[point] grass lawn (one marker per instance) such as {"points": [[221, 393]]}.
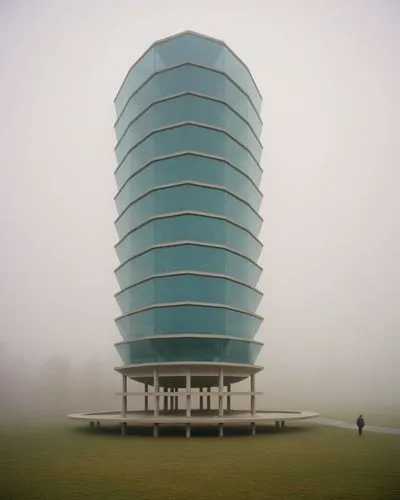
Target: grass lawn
{"points": [[68, 461]]}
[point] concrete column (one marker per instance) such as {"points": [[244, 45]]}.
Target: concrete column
{"points": [[228, 399], [177, 399], [188, 393], [253, 428], [124, 428], [253, 396], [188, 400], [208, 399], [220, 390], [156, 430], [124, 396], [165, 398], [172, 398], [146, 397], [220, 430], [201, 398], [156, 390]]}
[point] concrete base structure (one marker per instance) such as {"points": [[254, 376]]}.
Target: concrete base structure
{"points": [[172, 391], [197, 419]]}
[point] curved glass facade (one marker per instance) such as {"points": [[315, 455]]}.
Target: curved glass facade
{"points": [[193, 48], [188, 77], [189, 227], [188, 197], [185, 257], [188, 287], [188, 137], [188, 152], [188, 318], [188, 349], [175, 169], [188, 108]]}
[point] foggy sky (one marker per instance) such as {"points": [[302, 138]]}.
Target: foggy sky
{"points": [[329, 75]]}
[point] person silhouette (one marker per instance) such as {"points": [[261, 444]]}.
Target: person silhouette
{"points": [[360, 424]]}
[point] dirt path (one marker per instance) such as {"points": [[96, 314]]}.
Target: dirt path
{"points": [[348, 425]]}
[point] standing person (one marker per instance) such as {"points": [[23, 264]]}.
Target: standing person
{"points": [[360, 424]]}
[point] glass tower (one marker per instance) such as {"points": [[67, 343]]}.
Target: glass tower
{"points": [[188, 153], [188, 174]]}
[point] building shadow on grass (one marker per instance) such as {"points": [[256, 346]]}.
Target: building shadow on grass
{"points": [[196, 431]]}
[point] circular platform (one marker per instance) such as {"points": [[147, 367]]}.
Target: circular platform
{"points": [[203, 418]]}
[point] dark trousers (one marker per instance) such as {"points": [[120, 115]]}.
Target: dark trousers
{"points": [[360, 431]]}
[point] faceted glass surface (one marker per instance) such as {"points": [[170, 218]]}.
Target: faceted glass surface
{"points": [[188, 318], [189, 227], [193, 138], [181, 257], [196, 80], [188, 197], [188, 349], [188, 172], [188, 287], [188, 167]]}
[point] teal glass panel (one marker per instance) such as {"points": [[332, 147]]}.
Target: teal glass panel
{"points": [[189, 228], [188, 287], [209, 53], [186, 108], [188, 198], [188, 349], [188, 319], [158, 94], [231, 65], [188, 168], [188, 78], [188, 257], [137, 75], [188, 138], [188, 47]]}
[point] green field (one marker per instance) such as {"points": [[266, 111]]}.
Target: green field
{"points": [[68, 461]]}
